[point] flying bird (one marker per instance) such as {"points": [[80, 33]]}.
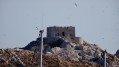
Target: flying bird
{"points": [[36, 28], [75, 4]]}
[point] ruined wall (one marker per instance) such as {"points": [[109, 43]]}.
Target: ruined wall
{"points": [[61, 31]]}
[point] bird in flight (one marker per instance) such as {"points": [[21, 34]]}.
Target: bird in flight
{"points": [[36, 28], [75, 4]]}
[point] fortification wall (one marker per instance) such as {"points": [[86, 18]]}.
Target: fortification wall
{"points": [[61, 31], [67, 32]]}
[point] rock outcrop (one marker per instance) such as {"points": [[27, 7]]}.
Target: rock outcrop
{"points": [[57, 52], [24, 58], [117, 53], [68, 49]]}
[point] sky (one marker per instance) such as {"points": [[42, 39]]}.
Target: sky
{"points": [[96, 21]]}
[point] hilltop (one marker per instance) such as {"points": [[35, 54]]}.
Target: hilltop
{"points": [[70, 50], [65, 54], [61, 48]]}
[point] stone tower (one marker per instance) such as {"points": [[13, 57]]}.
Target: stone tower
{"points": [[61, 31]]}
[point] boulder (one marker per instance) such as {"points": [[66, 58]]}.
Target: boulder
{"points": [[79, 47], [55, 50], [117, 53]]}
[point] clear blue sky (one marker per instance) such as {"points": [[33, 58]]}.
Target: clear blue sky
{"points": [[97, 21]]}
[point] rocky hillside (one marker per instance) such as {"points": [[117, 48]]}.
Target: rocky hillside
{"points": [[69, 49], [24, 58], [57, 52]]}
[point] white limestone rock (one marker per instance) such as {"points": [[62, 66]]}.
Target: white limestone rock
{"points": [[56, 50]]}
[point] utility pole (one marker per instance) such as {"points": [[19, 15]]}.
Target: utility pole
{"points": [[41, 48], [105, 58]]}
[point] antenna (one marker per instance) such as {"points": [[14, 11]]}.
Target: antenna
{"points": [[105, 58], [41, 45], [41, 48], [42, 22]]}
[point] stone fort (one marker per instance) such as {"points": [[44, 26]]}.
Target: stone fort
{"points": [[69, 31], [61, 31]]}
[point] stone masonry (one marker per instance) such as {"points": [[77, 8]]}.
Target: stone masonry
{"points": [[61, 31], [69, 31]]}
